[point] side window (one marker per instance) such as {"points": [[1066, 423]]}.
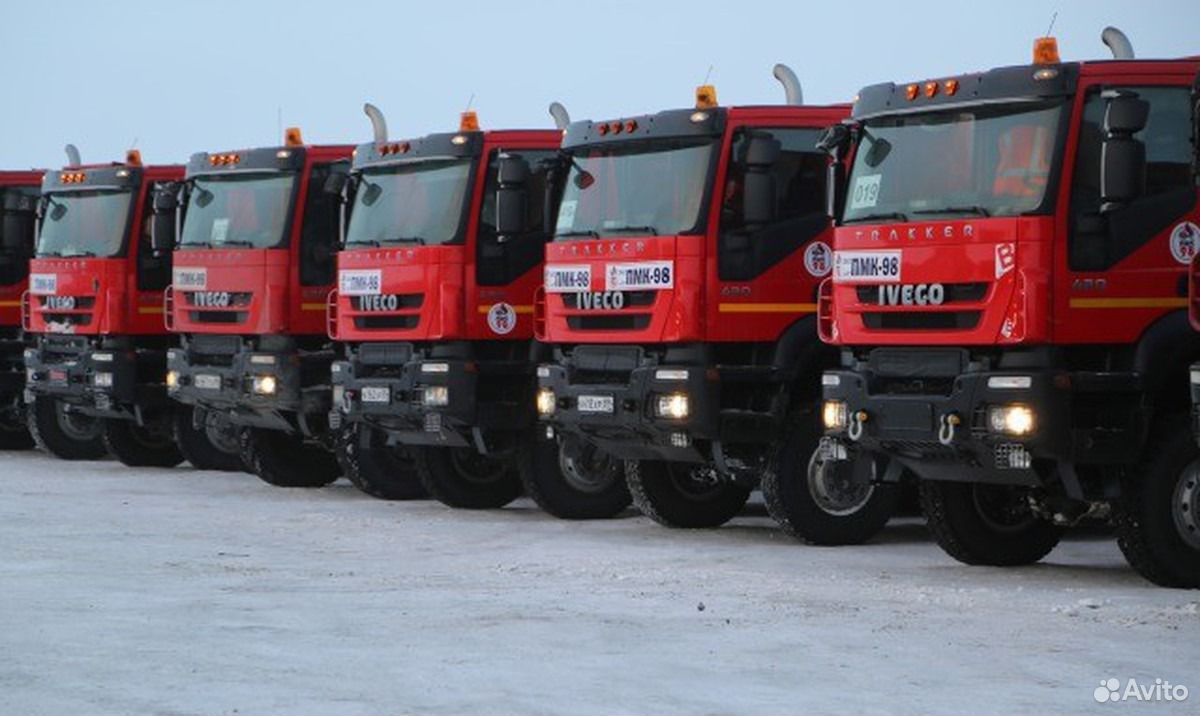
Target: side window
{"points": [[1098, 242], [500, 264], [319, 232], [17, 206], [153, 272], [798, 177]]}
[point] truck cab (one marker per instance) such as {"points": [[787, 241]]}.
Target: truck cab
{"points": [[254, 261], [18, 210], [434, 311], [1008, 292], [96, 368], [680, 302]]}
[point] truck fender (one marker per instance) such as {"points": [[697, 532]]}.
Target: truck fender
{"points": [[1163, 354], [800, 355]]}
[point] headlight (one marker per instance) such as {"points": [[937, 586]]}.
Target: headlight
{"points": [[102, 380], [1011, 419], [264, 384], [172, 379], [546, 401], [262, 360], [835, 415], [436, 395], [673, 405], [102, 357]]}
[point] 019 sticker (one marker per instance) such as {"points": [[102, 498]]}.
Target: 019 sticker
{"points": [[865, 193]]}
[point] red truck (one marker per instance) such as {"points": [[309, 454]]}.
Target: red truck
{"points": [[18, 212], [680, 300], [1009, 291], [254, 260], [97, 364], [434, 310]]}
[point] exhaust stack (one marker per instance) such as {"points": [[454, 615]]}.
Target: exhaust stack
{"points": [[73, 159], [794, 95], [1118, 42], [559, 112], [378, 123]]}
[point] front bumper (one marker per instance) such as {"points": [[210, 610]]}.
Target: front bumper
{"points": [[619, 389], [99, 377]]}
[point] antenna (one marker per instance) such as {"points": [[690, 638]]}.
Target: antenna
{"points": [[1050, 29], [278, 120], [707, 75], [133, 144], [470, 102]]}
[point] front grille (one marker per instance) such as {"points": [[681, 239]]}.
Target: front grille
{"points": [[955, 293], [611, 322], [382, 323], [218, 316], [69, 319], [885, 385], [633, 299], [917, 320]]}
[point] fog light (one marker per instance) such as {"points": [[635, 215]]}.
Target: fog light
{"points": [[543, 371], [1011, 419], [436, 395], [549, 432], [102, 357], [264, 384], [262, 360], [835, 415], [102, 380], [673, 405], [1011, 382], [435, 367], [547, 401], [831, 380], [172, 379]]}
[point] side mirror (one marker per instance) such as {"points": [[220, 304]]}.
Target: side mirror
{"points": [[1122, 157], [512, 195], [58, 212], [163, 225], [836, 142], [371, 194], [758, 199], [20, 211]]}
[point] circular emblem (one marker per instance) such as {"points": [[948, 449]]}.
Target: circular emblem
{"points": [[502, 318], [818, 258], [1185, 241]]}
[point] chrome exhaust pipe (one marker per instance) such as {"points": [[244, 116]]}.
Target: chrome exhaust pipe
{"points": [[791, 84]]}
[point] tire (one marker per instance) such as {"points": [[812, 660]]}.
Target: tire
{"points": [[68, 436], [822, 502], [142, 446], [382, 471], [284, 460], [213, 446], [672, 495], [1158, 524], [986, 524], [573, 480], [461, 477]]}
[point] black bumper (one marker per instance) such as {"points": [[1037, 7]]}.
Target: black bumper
{"points": [[101, 377], [420, 398], [633, 381]]}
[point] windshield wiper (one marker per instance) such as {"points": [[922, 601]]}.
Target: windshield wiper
{"points": [[401, 240], [973, 209], [579, 232], [79, 254], [237, 242], [881, 216], [632, 229]]}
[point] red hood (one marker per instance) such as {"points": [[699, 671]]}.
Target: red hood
{"points": [[242, 291], [82, 296], [413, 293]]}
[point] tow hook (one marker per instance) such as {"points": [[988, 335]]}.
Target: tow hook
{"points": [[949, 422], [855, 429]]}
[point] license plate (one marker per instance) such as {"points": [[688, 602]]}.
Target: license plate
{"points": [[58, 376], [866, 266], [595, 404], [376, 394], [206, 381]]}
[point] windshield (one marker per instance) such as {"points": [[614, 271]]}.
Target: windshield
{"points": [[991, 160], [420, 203], [641, 188], [238, 211], [84, 223]]}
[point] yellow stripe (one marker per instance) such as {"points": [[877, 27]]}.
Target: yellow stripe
{"points": [[766, 307], [312, 307], [150, 309], [519, 309], [10, 304], [1128, 303]]}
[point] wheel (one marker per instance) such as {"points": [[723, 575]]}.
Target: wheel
{"points": [[378, 469], [986, 524], [573, 480], [63, 434], [461, 477], [151, 445], [1158, 514], [212, 446], [284, 460], [683, 495]]}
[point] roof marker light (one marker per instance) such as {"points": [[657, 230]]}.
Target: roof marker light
{"points": [[931, 88], [602, 128], [950, 87], [911, 92], [631, 126]]}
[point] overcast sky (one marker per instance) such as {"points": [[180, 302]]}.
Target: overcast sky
{"points": [[181, 76]]}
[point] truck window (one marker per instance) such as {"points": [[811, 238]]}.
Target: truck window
{"points": [[153, 272], [501, 264], [319, 230], [14, 264], [1098, 242], [799, 178]]}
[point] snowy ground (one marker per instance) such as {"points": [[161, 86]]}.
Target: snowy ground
{"points": [[177, 591]]}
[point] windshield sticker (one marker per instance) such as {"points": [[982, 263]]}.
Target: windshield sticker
{"points": [[190, 278], [502, 318], [1006, 258], [866, 192], [220, 231], [866, 266], [818, 258], [43, 284], [1185, 240], [645, 274], [568, 279], [360, 283], [566, 214]]}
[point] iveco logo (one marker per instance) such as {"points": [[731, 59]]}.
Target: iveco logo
{"points": [[61, 303], [913, 294], [211, 299], [378, 302], [602, 300]]}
